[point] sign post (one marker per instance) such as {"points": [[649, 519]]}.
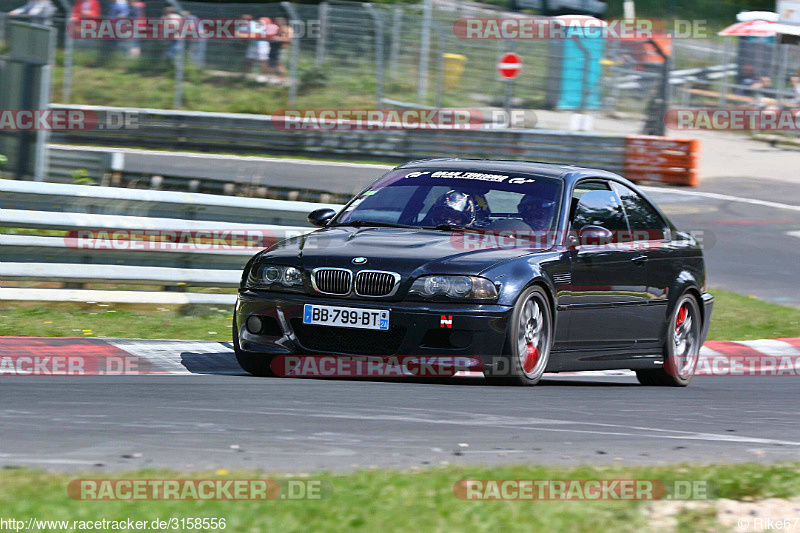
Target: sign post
{"points": [[509, 66]]}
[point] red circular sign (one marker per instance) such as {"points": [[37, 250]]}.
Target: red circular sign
{"points": [[509, 65]]}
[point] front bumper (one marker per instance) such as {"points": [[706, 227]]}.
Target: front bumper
{"points": [[416, 328]]}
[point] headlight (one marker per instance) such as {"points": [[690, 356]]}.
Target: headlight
{"points": [[275, 277], [470, 287]]}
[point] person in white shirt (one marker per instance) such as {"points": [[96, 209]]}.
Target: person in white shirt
{"points": [[37, 12]]}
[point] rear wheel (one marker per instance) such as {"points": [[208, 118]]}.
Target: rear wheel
{"points": [[257, 365], [682, 348], [530, 336]]}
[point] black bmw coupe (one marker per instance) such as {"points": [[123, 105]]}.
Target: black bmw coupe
{"points": [[528, 267]]}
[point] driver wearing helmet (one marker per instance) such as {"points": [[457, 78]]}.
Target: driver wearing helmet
{"points": [[454, 208], [536, 211]]}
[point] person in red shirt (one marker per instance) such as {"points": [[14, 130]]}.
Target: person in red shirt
{"points": [[85, 9], [140, 22]]}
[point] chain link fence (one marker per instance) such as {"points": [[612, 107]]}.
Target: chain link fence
{"points": [[350, 55]]}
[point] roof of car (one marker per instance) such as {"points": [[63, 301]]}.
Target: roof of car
{"points": [[551, 170]]}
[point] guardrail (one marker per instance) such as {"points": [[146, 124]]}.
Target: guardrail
{"points": [[134, 237], [225, 133], [250, 176], [238, 133]]}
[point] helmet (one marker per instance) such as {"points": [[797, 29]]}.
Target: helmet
{"points": [[453, 207], [536, 211]]}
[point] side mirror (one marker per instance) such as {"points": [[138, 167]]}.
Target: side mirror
{"points": [[321, 217], [595, 235]]}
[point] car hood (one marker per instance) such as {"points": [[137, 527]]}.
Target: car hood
{"points": [[406, 251]]}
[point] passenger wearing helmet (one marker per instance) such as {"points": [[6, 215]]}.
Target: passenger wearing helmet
{"points": [[454, 208], [536, 211]]}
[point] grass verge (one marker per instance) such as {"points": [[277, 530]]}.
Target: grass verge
{"points": [[109, 320], [384, 500], [738, 317]]}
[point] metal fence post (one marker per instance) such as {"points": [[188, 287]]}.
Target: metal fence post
{"points": [[509, 96], [66, 81], [40, 165], [440, 49], [323, 32], [294, 56], [424, 51], [723, 90], [783, 57], [376, 19], [177, 100], [394, 47]]}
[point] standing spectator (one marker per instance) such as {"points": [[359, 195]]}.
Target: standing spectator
{"points": [[266, 29], [258, 49], [243, 32], [85, 9], [37, 12], [283, 40], [747, 76], [197, 47], [119, 9], [172, 18], [140, 23], [795, 81]]}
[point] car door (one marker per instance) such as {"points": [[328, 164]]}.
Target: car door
{"points": [[650, 237], [608, 281]]}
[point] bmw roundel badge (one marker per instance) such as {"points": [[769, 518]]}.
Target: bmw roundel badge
{"points": [[359, 260]]}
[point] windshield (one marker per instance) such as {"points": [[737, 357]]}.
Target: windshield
{"points": [[457, 199]]}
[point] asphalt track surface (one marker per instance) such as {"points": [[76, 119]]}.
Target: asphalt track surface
{"points": [[215, 421], [201, 421], [296, 425], [750, 231]]}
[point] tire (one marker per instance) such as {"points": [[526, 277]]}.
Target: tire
{"points": [[257, 365], [682, 347], [529, 338]]}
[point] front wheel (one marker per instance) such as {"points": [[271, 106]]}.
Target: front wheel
{"points": [[529, 338], [682, 348]]}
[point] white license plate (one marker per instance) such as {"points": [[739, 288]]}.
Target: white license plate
{"points": [[346, 317]]}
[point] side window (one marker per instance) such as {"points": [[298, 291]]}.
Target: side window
{"points": [[594, 205], [646, 224]]}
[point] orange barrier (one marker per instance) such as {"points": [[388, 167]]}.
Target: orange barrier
{"points": [[662, 159]]}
